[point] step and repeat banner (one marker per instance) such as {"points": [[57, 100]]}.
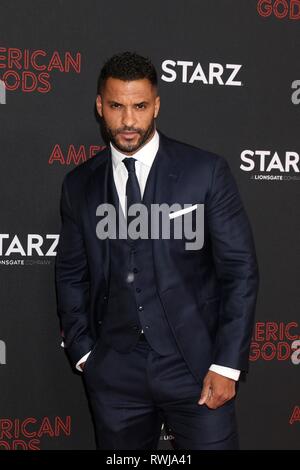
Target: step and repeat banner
{"points": [[229, 81]]}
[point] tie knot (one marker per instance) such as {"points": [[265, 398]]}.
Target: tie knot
{"points": [[129, 163]]}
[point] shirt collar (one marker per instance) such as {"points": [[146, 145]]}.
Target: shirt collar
{"points": [[145, 155]]}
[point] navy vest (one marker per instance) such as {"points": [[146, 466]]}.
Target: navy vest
{"points": [[133, 301]]}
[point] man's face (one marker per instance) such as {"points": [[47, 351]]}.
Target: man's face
{"points": [[128, 109]]}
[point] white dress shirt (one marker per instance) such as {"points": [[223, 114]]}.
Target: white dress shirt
{"points": [[144, 159]]}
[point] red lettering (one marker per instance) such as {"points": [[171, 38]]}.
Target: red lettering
{"points": [[287, 331], [295, 10], [76, 157], [62, 426], [5, 445], [264, 7], [24, 431], [283, 351], [5, 428], [33, 444], [280, 8], [44, 79], [73, 156], [55, 63], [17, 445], [75, 64], [271, 330], [33, 61], [259, 331], [254, 352], [16, 80], [95, 149], [14, 58], [20, 445], [56, 155], [45, 428], [29, 82], [264, 351], [295, 415]]}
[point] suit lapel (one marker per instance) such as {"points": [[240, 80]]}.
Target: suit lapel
{"points": [[167, 175], [167, 178], [97, 193]]}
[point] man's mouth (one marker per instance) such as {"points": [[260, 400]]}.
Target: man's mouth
{"points": [[128, 135]]}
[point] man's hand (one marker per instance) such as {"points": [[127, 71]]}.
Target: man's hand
{"points": [[217, 390]]}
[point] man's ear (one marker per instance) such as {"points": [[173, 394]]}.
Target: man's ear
{"points": [[99, 105], [157, 106]]}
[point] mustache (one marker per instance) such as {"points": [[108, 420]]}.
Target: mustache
{"points": [[128, 129]]}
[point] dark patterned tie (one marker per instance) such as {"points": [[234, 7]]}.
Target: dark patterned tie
{"points": [[133, 191]]}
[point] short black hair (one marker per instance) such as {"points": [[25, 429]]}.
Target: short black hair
{"points": [[127, 66]]}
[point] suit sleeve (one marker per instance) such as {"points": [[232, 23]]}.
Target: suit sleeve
{"points": [[72, 283], [237, 270]]}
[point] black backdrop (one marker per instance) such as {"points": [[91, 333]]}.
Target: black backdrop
{"points": [[50, 57]]}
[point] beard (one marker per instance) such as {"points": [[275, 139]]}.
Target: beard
{"points": [[129, 147]]}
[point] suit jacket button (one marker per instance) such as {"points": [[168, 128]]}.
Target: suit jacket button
{"points": [[141, 308]]}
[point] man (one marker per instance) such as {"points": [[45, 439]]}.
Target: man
{"points": [[160, 332]]}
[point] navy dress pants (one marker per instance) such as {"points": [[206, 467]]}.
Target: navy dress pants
{"points": [[132, 394]]}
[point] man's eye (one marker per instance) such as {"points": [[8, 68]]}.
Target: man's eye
{"points": [[141, 106], [115, 105]]}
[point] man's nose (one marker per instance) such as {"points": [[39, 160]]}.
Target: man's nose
{"points": [[128, 118]]}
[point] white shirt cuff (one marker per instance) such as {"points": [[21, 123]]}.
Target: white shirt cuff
{"points": [[83, 359], [226, 371]]}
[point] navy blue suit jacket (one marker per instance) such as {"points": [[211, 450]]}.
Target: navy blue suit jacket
{"points": [[208, 295]]}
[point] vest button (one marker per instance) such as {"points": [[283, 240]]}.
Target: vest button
{"points": [[99, 322], [141, 308], [105, 297], [138, 289], [147, 327], [135, 270]]}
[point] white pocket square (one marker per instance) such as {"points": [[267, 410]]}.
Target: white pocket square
{"points": [[172, 215]]}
